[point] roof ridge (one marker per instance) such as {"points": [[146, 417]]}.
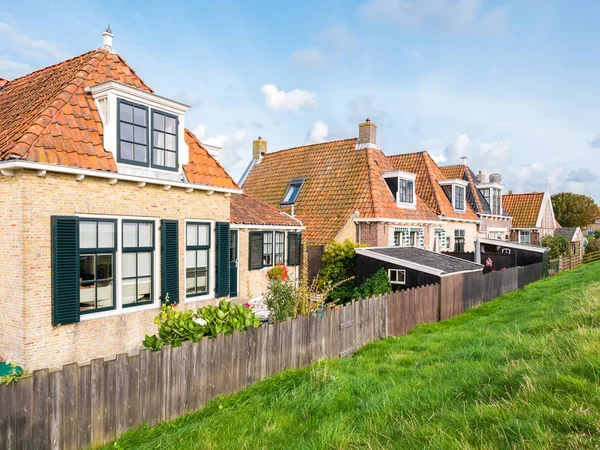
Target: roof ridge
{"points": [[308, 145], [525, 193], [65, 101]]}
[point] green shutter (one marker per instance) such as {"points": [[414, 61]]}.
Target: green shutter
{"points": [[222, 288], [255, 251], [65, 270], [294, 249], [169, 255]]}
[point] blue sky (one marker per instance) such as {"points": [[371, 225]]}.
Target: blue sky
{"points": [[513, 85]]}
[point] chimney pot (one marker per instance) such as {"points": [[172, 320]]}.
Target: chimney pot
{"points": [[481, 177], [464, 160], [259, 148], [367, 133], [107, 40]]}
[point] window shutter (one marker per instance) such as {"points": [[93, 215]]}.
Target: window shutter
{"points": [[65, 270], [222, 259], [256, 250], [294, 249], [169, 255]]}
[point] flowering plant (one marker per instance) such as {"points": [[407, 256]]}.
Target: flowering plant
{"points": [[278, 272]]}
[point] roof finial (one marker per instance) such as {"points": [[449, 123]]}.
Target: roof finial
{"points": [[368, 120], [108, 30], [260, 138], [107, 40]]}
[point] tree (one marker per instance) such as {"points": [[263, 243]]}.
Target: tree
{"points": [[574, 210], [339, 267], [558, 245]]}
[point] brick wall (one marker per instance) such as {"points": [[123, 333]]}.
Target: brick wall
{"points": [[27, 204]]}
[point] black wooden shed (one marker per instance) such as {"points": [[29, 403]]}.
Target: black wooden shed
{"points": [[525, 254], [410, 267]]}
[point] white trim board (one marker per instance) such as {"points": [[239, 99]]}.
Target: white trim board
{"points": [[511, 244]]}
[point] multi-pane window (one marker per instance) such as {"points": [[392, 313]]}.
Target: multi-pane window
{"points": [[459, 241], [196, 259], [164, 140], [406, 191], [398, 238], [97, 247], [397, 276], [138, 261], [279, 247], [497, 202], [459, 198], [133, 133], [525, 237], [486, 195], [267, 249]]}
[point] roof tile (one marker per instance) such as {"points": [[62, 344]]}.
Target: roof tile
{"points": [[524, 208]]}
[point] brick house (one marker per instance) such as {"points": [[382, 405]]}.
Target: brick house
{"points": [[485, 199], [533, 216], [446, 197], [344, 189], [107, 205]]}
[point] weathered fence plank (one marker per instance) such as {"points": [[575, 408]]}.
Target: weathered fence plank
{"points": [[41, 394]]}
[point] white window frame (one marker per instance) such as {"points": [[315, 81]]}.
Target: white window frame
{"points": [[456, 182], [408, 177], [211, 261], [522, 234], [118, 269], [397, 271]]}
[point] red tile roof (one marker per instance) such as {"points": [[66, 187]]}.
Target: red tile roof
{"points": [[463, 172], [428, 187], [46, 116], [250, 211], [524, 208], [339, 180], [203, 168]]}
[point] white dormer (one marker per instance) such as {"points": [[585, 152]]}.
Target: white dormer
{"points": [[492, 192], [402, 186], [145, 132], [457, 191]]}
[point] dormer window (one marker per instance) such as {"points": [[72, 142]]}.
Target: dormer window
{"points": [[402, 187], [492, 192], [456, 190], [133, 133], [291, 194], [164, 140]]}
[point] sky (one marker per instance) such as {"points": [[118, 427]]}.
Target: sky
{"points": [[512, 85]]}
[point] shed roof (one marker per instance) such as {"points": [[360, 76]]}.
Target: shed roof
{"points": [[568, 232], [422, 260]]}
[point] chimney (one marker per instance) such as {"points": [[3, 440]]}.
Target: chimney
{"points": [[481, 177], [464, 160], [510, 192], [107, 40], [259, 148], [367, 133]]}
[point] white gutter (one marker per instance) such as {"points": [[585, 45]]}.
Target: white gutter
{"points": [[495, 216], [456, 219], [411, 221], [6, 167], [240, 226]]}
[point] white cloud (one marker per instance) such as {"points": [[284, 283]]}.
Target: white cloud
{"points": [[287, 101], [458, 148], [448, 15], [27, 45], [493, 155], [200, 131], [12, 69], [317, 133], [311, 58], [439, 158], [595, 143], [339, 38]]}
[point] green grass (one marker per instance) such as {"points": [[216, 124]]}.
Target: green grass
{"points": [[519, 372]]}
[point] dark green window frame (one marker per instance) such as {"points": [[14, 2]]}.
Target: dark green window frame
{"points": [[155, 145], [120, 158], [195, 248], [95, 251], [294, 254], [255, 250], [279, 248], [137, 250], [268, 249]]}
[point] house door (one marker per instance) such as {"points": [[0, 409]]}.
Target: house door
{"points": [[233, 263]]}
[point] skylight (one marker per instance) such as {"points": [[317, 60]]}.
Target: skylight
{"points": [[291, 194]]}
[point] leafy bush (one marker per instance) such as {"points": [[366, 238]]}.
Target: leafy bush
{"points": [[15, 374], [175, 326], [378, 284], [278, 272], [339, 267], [558, 245], [593, 244], [281, 300]]}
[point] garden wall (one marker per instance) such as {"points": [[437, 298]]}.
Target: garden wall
{"points": [[93, 404]]}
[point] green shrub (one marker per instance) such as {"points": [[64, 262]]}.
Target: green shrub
{"points": [[339, 267], [175, 326], [281, 300], [593, 244], [558, 245], [378, 284]]}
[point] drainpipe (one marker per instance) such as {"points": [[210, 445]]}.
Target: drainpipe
{"points": [[477, 251]]}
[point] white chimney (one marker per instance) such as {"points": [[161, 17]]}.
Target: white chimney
{"points": [[464, 160], [107, 40]]}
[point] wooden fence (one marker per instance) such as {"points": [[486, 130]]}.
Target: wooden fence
{"points": [[591, 257], [93, 404], [569, 262]]}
